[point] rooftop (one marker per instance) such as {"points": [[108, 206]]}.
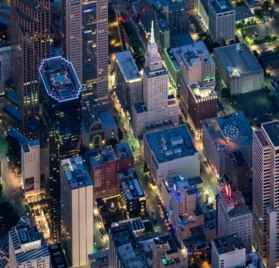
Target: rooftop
{"points": [[221, 6], [28, 243], [202, 93], [238, 159], [26, 146], [60, 79], [171, 240], [140, 107], [107, 119], [128, 66], [229, 132], [123, 150], [243, 12], [181, 40], [127, 247], [106, 155], [228, 244], [34, 5], [76, 172], [58, 259], [132, 189], [238, 60], [272, 132], [190, 54], [171, 143], [99, 259]]}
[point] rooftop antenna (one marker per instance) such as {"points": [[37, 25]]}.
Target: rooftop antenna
{"points": [[152, 41]]}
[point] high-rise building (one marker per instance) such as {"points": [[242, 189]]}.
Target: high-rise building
{"points": [[30, 166], [5, 67], [157, 107], [228, 251], [128, 80], [124, 156], [221, 20], [234, 216], [27, 246], [72, 34], [202, 104], [239, 172], [170, 152], [224, 134], [61, 122], [265, 192], [30, 43], [76, 211]]}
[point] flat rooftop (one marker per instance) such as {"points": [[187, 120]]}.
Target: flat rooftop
{"points": [[221, 6], [123, 150], [76, 172], [272, 132], [99, 259], [171, 143], [202, 93], [243, 12], [181, 40], [60, 79], [107, 119], [171, 240], [190, 54], [128, 66], [228, 244], [106, 155], [57, 256], [238, 60], [229, 132], [26, 146], [238, 159], [127, 247], [132, 189]]}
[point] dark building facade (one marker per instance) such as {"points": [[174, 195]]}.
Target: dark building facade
{"points": [[61, 125], [30, 42]]}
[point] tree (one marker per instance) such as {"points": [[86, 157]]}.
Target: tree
{"points": [[225, 92]]}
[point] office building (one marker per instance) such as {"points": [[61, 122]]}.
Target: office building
{"points": [[224, 134], [30, 166], [202, 104], [239, 172], [61, 121], [156, 107], [128, 80], [203, 12], [265, 198], [196, 66], [5, 67], [102, 168], [27, 246], [133, 196], [124, 156], [169, 251], [124, 249], [99, 259], [221, 20], [234, 216], [239, 68], [228, 251], [30, 43], [5, 31], [76, 211], [72, 34], [57, 256], [170, 152]]}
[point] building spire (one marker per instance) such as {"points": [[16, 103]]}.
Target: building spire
{"points": [[152, 40]]}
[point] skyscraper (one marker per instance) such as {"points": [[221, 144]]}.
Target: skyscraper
{"points": [[265, 192], [61, 122], [76, 210], [30, 43], [157, 107]]}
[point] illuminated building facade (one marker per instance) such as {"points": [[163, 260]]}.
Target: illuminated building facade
{"points": [[239, 69], [157, 107], [265, 192], [234, 217], [202, 104], [61, 121], [30, 43], [128, 80], [76, 211], [27, 246], [196, 66], [225, 134]]}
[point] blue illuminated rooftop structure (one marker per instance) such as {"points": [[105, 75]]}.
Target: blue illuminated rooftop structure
{"points": [[60, 79]]}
